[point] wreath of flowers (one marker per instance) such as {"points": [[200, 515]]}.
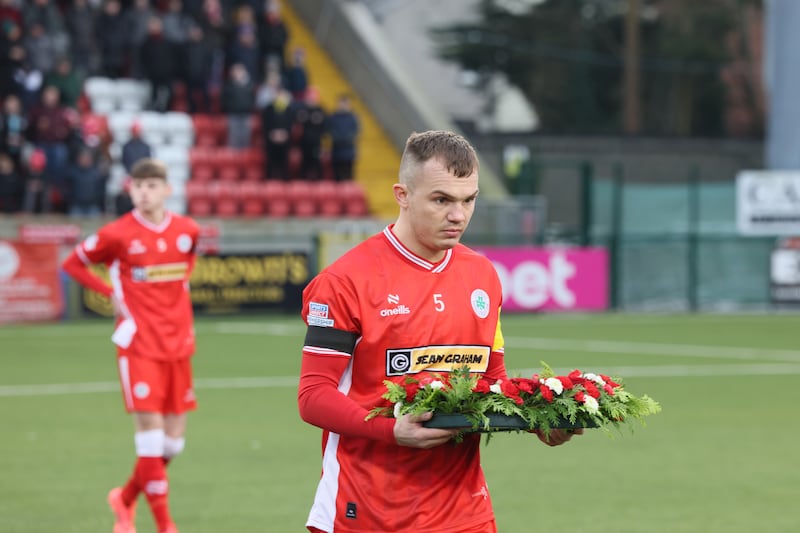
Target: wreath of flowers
{"points": [[544, 402]]}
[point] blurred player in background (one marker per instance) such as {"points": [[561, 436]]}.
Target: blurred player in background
{"points": [[150, 254], [409, 292]]}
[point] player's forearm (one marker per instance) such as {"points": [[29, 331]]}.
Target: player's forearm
{"points": [[323, 405], [78, 271], [331, 410]]}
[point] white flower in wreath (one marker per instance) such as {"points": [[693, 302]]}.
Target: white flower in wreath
{"points": [[594, 377], [554, 385], [590, 404], [436, 384], [496, 387]]}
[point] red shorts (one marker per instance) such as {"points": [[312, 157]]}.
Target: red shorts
{"points": [[150, 385]]}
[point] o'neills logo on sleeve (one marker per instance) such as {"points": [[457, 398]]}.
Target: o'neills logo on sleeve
{"points": [[402, 361]]}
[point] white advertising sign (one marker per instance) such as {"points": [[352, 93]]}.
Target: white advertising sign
{"points": [[768, 202]]}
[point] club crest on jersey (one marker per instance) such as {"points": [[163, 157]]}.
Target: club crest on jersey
{"points": [[318, 315], [184, 243], [446, 358], [480, 303]]}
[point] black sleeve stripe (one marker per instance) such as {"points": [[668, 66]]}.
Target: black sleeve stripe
{"points": [[332, 339]]}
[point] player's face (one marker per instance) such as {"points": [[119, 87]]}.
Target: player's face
{"points": [[439, 206], [149, 194]]}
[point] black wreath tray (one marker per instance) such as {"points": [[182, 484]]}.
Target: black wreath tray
{"points": [[497, 422]]}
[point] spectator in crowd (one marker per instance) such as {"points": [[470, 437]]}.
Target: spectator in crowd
{"points": [[123, 201], [13, 128], [10, 13], [10, 185], [214, 27], [38, 186], [135, 149], [12, 62], [46, 14], [68, 81], [95, 137], [272, 33], [159, 63], [343, 127], [41, 48], [238, 103], [268, 90], [311, 119], [297, 74], [276, 126], [29, 82], [176, 23], [79, 19], [50, 129], [197, 62], [243, 47], [111, 36], [86, 186], [137, 19]]}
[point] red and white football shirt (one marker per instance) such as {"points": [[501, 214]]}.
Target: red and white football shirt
{"points": [[381, 312], [150, 266]]}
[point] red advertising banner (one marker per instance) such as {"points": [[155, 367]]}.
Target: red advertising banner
{"points": [[30, 289], [551, 279], [58, 233]]}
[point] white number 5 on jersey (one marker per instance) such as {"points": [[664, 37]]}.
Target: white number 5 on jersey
{"points": [[438, 304]]}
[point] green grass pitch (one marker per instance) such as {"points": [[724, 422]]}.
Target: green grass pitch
{"points": [[720, 457]]}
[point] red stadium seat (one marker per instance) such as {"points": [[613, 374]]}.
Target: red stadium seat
{"points": [[201, 164], [250, 199], [253, 160], [354, 198], [328, 199], [198, 198], [229, 164], [301, 195], [225, 195], [276, 202], [210, 130]]}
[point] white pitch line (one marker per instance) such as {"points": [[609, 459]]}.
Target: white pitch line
{"points": [[248, 328], [680, 371], [653, 348], [264, 382], [261, 382]]}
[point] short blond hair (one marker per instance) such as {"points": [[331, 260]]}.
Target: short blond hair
{"points": [[149, 168]]}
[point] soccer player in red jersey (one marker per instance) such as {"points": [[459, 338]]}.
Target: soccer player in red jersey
{"points": [[407, 300], [150, 254]]}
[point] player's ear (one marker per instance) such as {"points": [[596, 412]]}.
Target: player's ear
{"points": [[400, 194]]}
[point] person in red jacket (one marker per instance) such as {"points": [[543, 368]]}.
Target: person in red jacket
{"points": [[410, 299], [150, 255]]}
